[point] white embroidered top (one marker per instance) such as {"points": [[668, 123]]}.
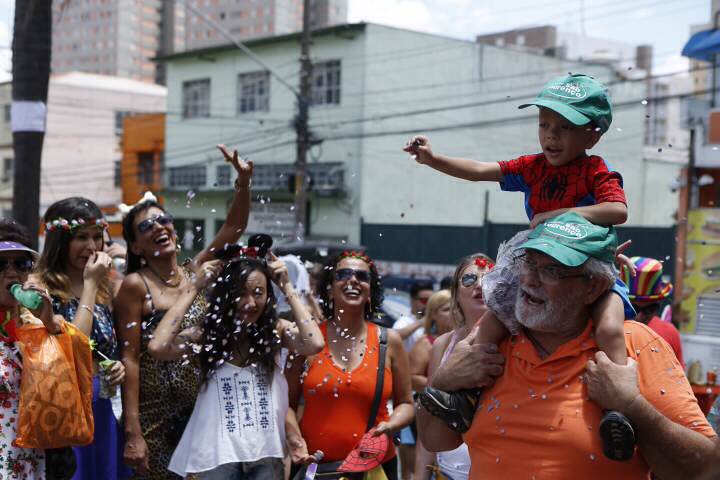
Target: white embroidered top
{"points": [[238, 417]]}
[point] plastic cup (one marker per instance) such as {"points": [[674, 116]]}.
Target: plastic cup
{"points": [[106, 390]]}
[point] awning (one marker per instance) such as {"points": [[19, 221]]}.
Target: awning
{"points": [[703, 45]]}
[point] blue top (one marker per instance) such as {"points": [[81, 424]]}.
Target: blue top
{"points": [[103, 330]]}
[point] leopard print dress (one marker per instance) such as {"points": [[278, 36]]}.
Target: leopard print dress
{"points": [[168, 390]]}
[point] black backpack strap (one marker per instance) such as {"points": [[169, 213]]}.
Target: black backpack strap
{"points": [[379, 383]]}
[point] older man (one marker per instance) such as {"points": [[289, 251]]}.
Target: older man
{"points": [[536, 419]]}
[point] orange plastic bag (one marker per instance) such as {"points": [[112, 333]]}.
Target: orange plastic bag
{"points": [[55, 389]]}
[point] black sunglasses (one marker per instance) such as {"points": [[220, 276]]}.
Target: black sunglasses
{"points": [[345, 274], [147, 224], [22, 265]]}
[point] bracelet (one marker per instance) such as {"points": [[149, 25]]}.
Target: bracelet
{"points": [[88, 309]]}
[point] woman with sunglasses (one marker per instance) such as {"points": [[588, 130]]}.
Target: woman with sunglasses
{"points": [[246, 347], [158, 396], [466, 307], [75, 270], [16, 262], [339, 383]]}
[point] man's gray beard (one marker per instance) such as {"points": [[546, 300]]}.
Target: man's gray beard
{"points": [[551, 317]]}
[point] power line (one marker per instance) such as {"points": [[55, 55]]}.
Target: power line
{"points": [[500, 121], [505, 99], [485, 123]]}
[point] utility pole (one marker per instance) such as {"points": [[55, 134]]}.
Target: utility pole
{"points": [[301, 125], [31, 49]]}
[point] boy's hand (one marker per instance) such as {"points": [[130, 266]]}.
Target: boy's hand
{"points": [[621, 259], [419, 147], [541, 217]]}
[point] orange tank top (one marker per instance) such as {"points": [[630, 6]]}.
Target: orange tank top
{"points": [[337, 402]]}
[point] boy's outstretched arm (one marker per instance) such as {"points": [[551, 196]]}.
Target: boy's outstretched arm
{"points": [[605, 213], [473, 170]]}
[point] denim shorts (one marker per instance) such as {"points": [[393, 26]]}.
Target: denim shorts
{"points": [[263, 469]]}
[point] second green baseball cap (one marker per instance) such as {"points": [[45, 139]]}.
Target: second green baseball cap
{"points": [[579, 98], [572, 240]]}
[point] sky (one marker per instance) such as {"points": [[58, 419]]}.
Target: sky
{"points": [[664, 24]]}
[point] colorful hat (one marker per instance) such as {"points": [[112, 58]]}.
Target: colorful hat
{"points": [[579, 98], [370, 452], [647, 286]]}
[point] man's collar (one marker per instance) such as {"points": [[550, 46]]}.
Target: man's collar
{"points": [[522, 346]]}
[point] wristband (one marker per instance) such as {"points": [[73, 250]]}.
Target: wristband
{"points": [[88, 309]]}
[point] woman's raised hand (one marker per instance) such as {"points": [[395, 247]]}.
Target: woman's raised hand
{"points": [[244, 168], [278, 271], [205, 273]]}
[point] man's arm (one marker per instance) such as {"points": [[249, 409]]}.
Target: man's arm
{"points": [[658, 435], [469, 365], [467, 169], [408, 330], [605, 213], [615, 387]]}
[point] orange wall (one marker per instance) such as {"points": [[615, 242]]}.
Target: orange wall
{"points": [[141, 133]]}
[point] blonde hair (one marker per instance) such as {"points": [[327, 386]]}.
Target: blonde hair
{"points": [[457, 313], [436, 301]]}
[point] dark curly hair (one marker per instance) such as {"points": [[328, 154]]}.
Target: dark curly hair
{"points": [[223, 334], [133, 262], [372, 310]]}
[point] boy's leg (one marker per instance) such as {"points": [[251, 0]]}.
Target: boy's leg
{"points": [[616, 431], [608, 314], [457, 409]]}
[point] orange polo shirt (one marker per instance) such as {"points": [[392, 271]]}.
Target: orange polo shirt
{"points": [[536, 422]]}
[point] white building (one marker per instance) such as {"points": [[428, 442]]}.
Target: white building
{"points": [[81, 152], [374, 86]]}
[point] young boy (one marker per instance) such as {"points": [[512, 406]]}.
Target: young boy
{"points": [[574, 112]]}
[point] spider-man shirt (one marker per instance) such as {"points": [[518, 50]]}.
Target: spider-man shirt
{"points": [[584, 181]]}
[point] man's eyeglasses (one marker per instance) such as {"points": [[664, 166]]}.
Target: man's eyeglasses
{"points": [[345, 274], [21, 265], [550, 274], [470, 279], [147, 224]]}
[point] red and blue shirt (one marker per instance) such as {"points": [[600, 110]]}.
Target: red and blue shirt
{"points": [[582, 182]]}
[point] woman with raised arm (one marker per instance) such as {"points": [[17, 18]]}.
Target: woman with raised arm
{"points": [[158, 396], [242, 354]]}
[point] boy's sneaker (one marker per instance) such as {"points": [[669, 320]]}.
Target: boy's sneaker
{"points": [[618, 436], [456, 409]]}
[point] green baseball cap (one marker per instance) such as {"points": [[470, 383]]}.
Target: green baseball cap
{"points": [[579, 98], [571, 240]]}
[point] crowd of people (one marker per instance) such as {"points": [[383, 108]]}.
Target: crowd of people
{"points": [[524, 366]]}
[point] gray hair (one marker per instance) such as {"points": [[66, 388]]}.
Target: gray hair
{"points": [[603, 271]]}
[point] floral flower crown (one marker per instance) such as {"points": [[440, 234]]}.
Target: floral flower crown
{"points": [[484, 263], [358, 255], [63, 224]]}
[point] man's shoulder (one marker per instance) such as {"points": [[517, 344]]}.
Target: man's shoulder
{"points": [[639, 337]]}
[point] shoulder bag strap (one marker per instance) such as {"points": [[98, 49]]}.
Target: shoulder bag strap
{"points": [[379, 383]]}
